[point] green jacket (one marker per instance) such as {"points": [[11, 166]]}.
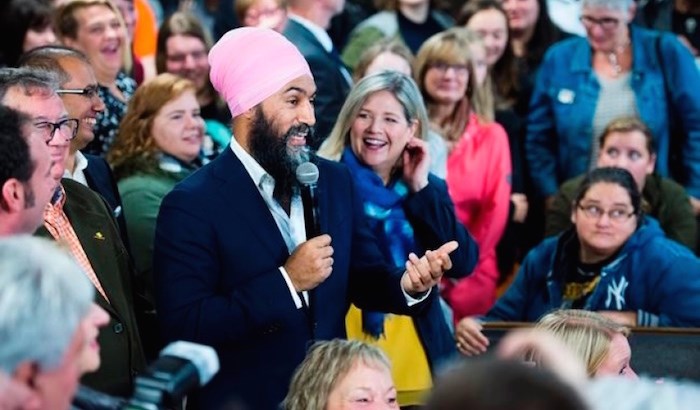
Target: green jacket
{"points": [[663, 199], [120, 344], [141, 195]]}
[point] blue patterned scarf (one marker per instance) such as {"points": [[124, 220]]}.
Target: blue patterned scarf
{"points": [[383, 208]]}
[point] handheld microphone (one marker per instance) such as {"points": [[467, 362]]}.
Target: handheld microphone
{"points": [[307, 175]]}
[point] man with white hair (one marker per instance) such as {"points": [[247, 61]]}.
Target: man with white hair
{"points": [[44, 296]]}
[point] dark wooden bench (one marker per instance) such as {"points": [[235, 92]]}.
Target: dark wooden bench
{"points": [[657, 352]]}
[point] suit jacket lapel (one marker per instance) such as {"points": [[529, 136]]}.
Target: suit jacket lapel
{"points": [[309, 37], [92, 231], [246, 203]]}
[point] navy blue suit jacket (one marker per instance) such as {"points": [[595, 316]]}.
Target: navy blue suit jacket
{"points": [[216, 259], [325, 67], [100, 179]]}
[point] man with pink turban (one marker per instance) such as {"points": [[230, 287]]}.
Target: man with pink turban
{"points": [[233, 267]]}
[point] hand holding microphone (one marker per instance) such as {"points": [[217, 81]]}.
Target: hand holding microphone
{"points": [[307, 175], [312, 261]]}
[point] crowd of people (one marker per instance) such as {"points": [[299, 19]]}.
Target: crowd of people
{"points": [[482, 161]]}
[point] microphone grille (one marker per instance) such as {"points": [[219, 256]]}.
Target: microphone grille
{"points": [[307, 173]]}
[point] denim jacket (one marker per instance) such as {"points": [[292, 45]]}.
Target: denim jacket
{"points": [[653, 276], [560, 123]]}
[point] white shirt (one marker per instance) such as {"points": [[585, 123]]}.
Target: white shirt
{"points": [[79, 174], [291, 226]]}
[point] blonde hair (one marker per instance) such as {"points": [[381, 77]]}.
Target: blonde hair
{"points": [[134, 138], [402, 87], [324, 366], [588, 334], [453, 46]]}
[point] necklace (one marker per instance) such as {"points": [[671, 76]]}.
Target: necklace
{"points": [[614, 61]]}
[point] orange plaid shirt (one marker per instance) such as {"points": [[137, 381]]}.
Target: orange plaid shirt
{"points": [[58, 225]]}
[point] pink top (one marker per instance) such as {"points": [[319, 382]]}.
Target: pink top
{"points": [[478, 179]]}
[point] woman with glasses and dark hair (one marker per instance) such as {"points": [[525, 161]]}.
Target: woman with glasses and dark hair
{"points": [[628, 143], [618, 70], [614, 260]]}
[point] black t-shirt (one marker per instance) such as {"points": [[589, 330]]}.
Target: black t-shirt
{"points": [[581, 280], [415, 34]]}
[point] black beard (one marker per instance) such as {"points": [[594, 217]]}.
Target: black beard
{"points": [[272, 152]]}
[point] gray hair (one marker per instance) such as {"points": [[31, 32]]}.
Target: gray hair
{"points": [[617, 5], [399, 85], [43, 297], [31, 80], [47, 58]]}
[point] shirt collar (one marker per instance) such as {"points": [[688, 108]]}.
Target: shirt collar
{"points": [[319, 32], [80, 164], [254, 169]]}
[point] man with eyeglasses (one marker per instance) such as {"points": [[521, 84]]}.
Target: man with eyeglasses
{"points": [[79, 93], [81, 221]]}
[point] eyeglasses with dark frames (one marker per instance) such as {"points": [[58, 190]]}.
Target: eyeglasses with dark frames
{"points": [[606, 23], [89, 92], [596, 212], [68, 128]]}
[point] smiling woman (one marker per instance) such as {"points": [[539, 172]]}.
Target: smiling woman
{"points": [[342, 375], [158, 145], [617, 70], [451, 71], [96, 28], [380, 137]]}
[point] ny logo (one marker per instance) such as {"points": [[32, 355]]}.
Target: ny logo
{"points": [[617, 291]]}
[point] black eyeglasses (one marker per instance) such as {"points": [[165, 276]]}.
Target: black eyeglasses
{"points": [[606, 23], [615, 215], [89, 92], [68, 128]]}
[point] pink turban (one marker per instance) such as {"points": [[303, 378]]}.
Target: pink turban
{"points": [[249, 64]]}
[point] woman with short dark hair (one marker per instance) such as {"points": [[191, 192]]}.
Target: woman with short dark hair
{"points": [[613, 260]]}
